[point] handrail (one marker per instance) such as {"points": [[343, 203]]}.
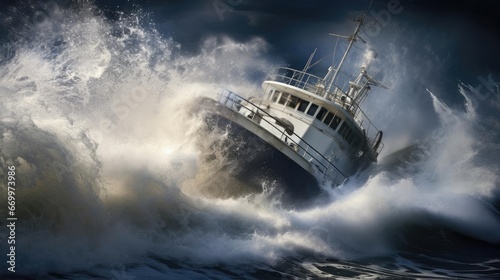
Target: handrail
{"points": [[238, 100], [335, 94], [302, 80]]}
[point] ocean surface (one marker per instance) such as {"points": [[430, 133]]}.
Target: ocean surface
{"points": [[95, 116]]}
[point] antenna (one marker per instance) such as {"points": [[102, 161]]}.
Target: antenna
{"points": [[359, 91], [352, 39], [308, 65], [309, 61]]}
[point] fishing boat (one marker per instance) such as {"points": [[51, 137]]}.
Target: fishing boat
{"points": [[304, 131]]}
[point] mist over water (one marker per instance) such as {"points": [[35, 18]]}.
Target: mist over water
{"points": [[96, 117]]}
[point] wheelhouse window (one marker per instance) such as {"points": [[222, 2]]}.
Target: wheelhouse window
{"points": [[343, 128], [351, 138], [312, 109], [348, 134], [275, 96], [303, 105], [335, 122], [328, 118], [270, 94], [332, 120], [283, 98], [321, 113], [292, 101]]}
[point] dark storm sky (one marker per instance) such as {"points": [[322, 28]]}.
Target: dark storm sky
{"points": [[444, 41], [468, 30], [459, 41]]}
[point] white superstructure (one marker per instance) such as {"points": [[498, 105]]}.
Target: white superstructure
{"points": [[313, 118]]}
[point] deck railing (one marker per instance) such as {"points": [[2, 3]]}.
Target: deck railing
{"points": [[301, 147], [301, 80], [318, 86]]}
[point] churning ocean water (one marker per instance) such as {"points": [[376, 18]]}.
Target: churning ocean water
{"points": [[95, 116]]}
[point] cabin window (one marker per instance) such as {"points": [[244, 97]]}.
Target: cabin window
{"points": [[343, 128], [303, 105], [328, 118], [321, 113], [346, 132], [283, 98], [312, 109], [349, 136], [275, 96], [335, 122], [292, 101], [270, 95]]}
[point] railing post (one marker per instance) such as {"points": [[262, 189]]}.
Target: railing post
{"points": [[307, 80]]}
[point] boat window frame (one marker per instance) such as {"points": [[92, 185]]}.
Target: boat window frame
{"points": [[276, 96], [306, 106], [270, 94], [315, 109], [343, 127], [348, 135], [323, 111], [327, 122], [329, 118], [345, 132], [337, 124], [289, 101], [283, 97]]}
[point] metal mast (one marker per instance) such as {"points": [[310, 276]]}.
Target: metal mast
{"points": [[352, 39]]}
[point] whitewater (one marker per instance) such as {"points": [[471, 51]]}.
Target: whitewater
{"points": [[95, 114]]}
